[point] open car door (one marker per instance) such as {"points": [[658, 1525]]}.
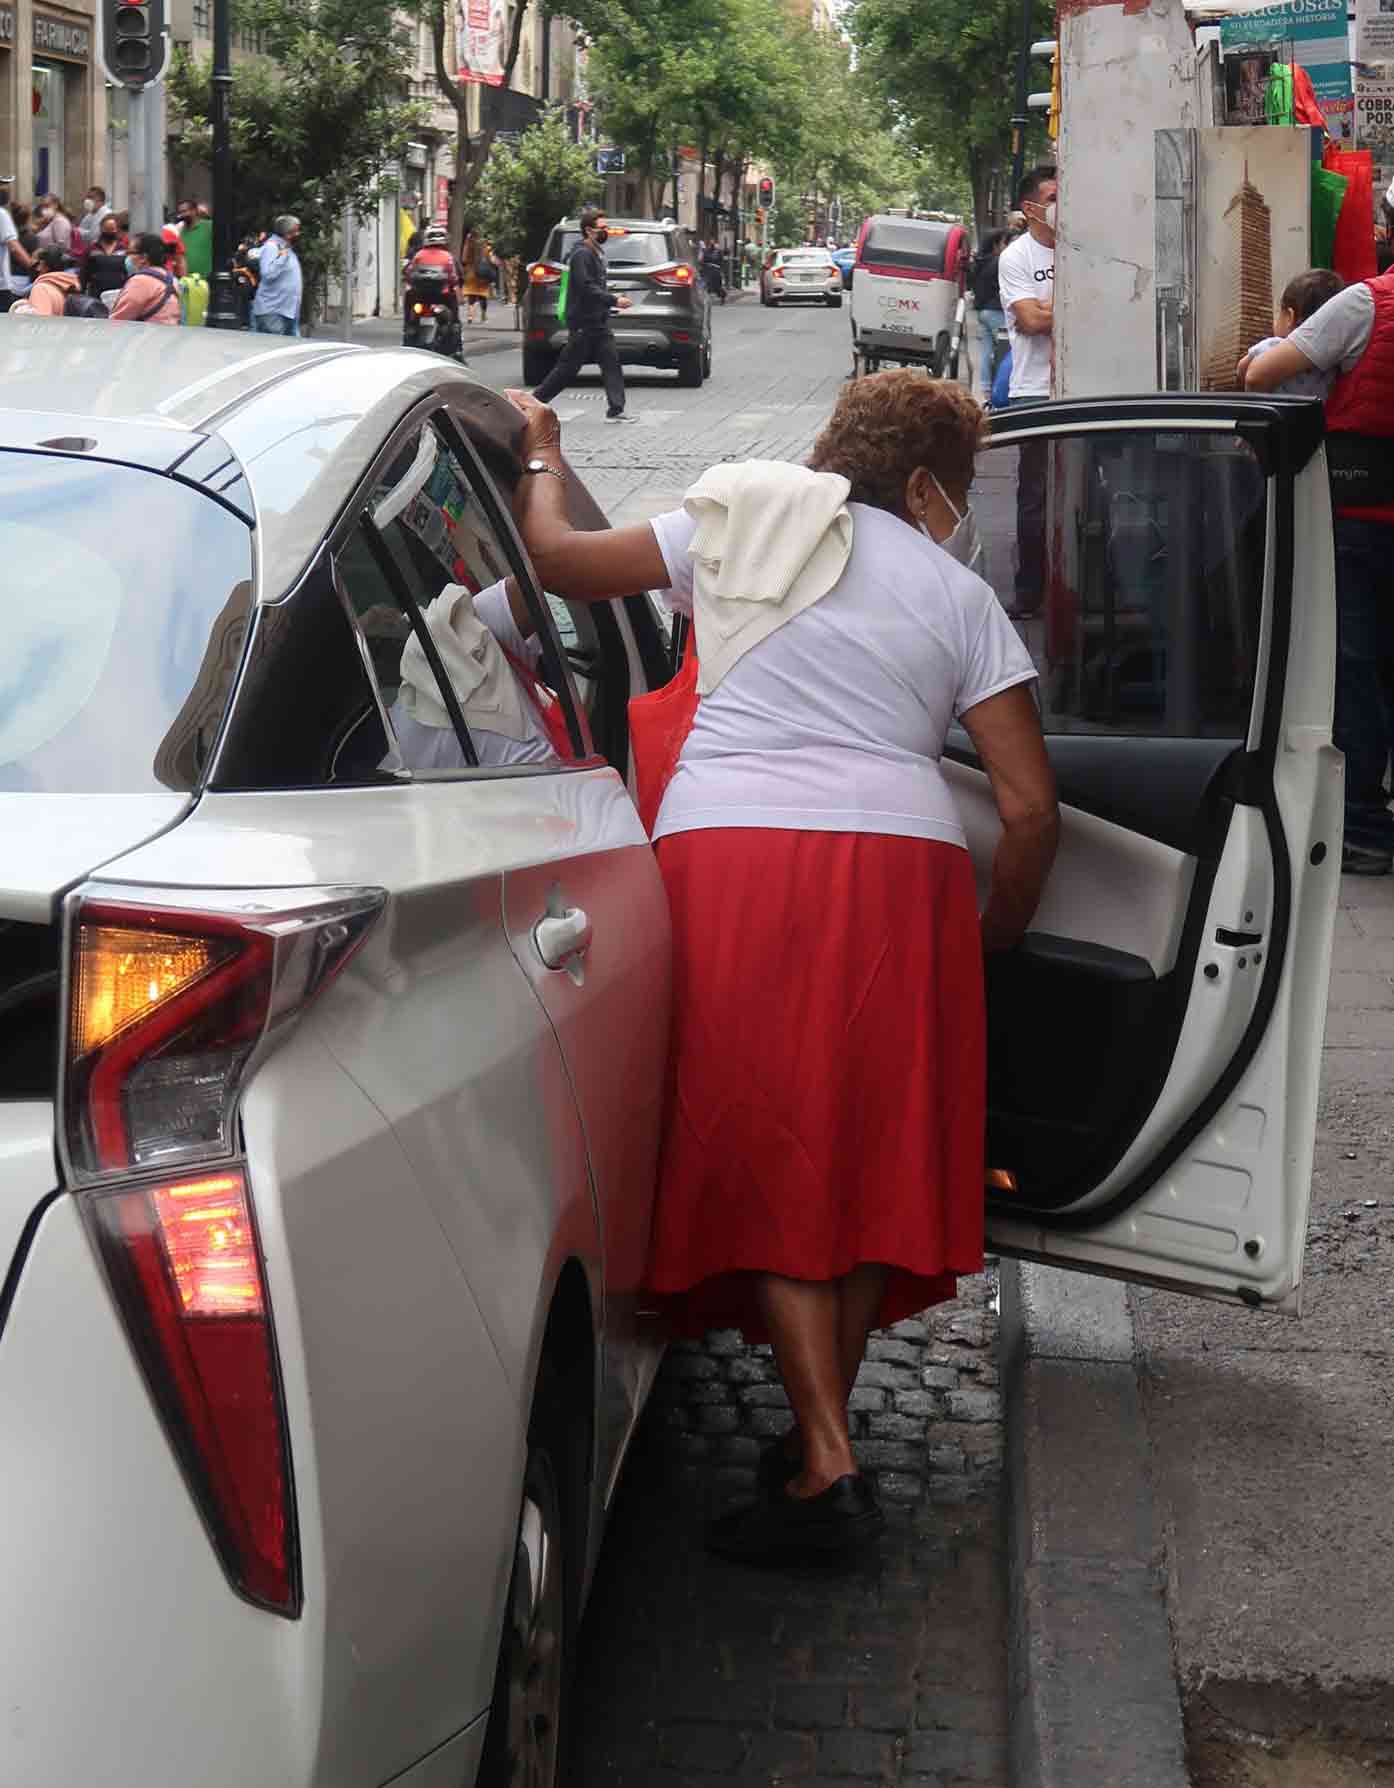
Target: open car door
{"points": [[1154, 1046]]}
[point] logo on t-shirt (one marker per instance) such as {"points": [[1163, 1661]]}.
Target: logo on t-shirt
{"points": [[1042, 273]]}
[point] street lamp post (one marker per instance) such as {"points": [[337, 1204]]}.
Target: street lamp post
{"points": [[223, 312], [1020, 116]]}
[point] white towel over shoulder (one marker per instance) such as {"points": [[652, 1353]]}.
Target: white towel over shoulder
{"points": [[772, 538]]}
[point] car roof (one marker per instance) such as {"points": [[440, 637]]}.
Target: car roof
{"points": [[305, 418], [632, 224]]}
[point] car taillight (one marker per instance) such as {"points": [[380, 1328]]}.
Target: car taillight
{"points": [[673, 276], [420, 309], [543, 273], [167, 1008]]}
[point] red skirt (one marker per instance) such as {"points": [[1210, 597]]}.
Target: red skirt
{"points": [[827, 1098]]}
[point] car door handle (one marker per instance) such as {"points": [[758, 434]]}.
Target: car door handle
{"points": [[561, 940]]}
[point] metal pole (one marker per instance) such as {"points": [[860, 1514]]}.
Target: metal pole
{"points": [[1020, 116], [154, 109], [350, 243], [222, 300], [137, 166]]}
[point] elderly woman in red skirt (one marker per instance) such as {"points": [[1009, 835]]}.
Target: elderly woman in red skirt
{"points": [[822, 1171]]}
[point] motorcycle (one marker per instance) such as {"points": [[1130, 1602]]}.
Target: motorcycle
{"points": [[428, 321], [714, 279]]}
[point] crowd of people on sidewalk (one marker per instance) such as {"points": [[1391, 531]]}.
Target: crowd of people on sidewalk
{"points": [[93, 265]]}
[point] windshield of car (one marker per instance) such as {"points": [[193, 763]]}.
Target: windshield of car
{"points": [[126, 599], [899, 242], [811, 257], [645, 248]]}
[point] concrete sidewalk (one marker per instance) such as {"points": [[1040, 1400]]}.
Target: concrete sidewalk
{"points": [[1226, 1470]]}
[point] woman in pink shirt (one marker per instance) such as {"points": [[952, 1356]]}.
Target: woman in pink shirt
{"points": [[149, 294]]}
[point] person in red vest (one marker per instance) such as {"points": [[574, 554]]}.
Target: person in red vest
{"points": [[434, 253], [1353, 336]]}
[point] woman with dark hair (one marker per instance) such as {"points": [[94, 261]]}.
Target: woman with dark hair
{"points": [[480, 271], [823, 1163]]}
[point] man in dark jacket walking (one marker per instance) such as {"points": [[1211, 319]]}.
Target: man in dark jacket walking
{"points": [[589, 303]]}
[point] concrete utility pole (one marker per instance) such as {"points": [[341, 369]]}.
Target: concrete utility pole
{"points": [[222, 300]]}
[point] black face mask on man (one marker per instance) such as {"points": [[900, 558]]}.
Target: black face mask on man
{"points": [[600, 237]]}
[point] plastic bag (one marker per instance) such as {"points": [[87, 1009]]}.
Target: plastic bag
{"points": [[659, 723], [1353, 253]]}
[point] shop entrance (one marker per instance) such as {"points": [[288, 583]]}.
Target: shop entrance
{"points": [[50, 97]]}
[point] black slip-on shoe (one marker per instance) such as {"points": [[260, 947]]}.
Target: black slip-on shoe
{"points": [[618, 416], [1358, 859], [781, 1527], [777, 1467]]}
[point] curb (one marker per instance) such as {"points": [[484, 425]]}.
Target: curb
{"points": [[1092, 1688]]}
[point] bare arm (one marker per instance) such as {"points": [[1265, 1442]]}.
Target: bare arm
{"points": [[1006, 733], [1032, 316], [587, 565], [1274, 366]]}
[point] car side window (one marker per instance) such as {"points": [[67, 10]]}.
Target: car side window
{"points": [[307, 712], [1134, 564], [425, 571]]}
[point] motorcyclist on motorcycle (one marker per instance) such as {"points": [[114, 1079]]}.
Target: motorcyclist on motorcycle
{"points": [[435, 255]]}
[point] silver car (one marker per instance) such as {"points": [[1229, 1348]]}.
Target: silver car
{"points": [[329, 1089], [806, 274]]}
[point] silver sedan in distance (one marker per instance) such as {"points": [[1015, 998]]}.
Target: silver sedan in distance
{"points": [[335, 989], [801, 274]]}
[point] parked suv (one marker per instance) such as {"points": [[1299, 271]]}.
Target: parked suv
{"points": [[669, 322]]}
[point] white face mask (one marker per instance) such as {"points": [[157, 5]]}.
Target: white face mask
{"points": [[963, 544], [89, 205], [1050, 217]]}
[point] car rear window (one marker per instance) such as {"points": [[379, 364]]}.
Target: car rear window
{"points": [[126, 600], [645, 248], [897, 242], [812, 258]]}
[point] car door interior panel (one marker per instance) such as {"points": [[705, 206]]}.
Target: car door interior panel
{"points": [[1146, 1071]]}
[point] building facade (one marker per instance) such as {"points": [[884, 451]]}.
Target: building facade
{"points": [[1247, 280], [52, 99]]}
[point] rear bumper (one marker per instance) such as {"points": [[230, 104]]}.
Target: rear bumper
{"points": [[806, 294], [637, 344]]}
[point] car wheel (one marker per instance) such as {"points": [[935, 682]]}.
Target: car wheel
{"points": [[834, 303], [941, 357], [536, 366], [690, 369], [707, 358], [529, 1718]]}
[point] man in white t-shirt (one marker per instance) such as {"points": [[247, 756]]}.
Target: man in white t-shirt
{"points": [[13, 260], [1026, 284]]}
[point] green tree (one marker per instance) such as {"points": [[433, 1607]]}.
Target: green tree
{"points": [[472, 149], [526, 187], [313, 120], [946, 67]]}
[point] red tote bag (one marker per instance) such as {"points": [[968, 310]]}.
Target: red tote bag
{"points": [[659, 723]]}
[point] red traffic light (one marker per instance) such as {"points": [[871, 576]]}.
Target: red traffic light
{"points": [[767, 191]]}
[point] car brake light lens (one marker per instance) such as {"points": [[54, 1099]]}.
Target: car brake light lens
{"points": [[168, 1008], [544, 273], [674, 276], [186, 1271], [420, 309]]}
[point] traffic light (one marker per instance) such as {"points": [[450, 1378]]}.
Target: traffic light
{"points": [[767, 192], [133, 41]]}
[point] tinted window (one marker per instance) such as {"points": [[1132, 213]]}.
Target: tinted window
{"points": [[898, 242], [1137, 561], [306, 713], [646, 248], [126, 600]]}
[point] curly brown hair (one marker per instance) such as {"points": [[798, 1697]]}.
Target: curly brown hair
{"points": [[886, 424]]}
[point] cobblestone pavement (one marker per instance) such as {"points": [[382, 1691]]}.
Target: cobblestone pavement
{"points": [[891, 1670], [695, 1671]]}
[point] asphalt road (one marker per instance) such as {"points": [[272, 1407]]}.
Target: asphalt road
{"points": [[693, 1671]]}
